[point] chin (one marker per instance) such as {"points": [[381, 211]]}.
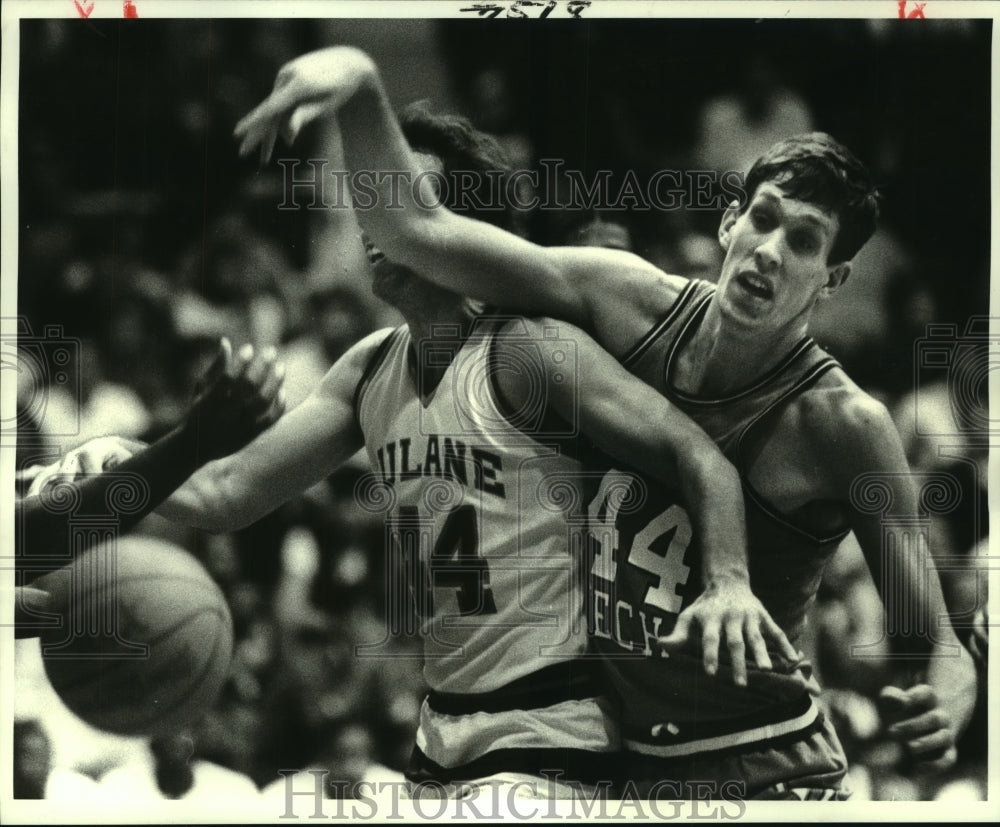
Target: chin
{"points": [[736, 312], [387, 281]]}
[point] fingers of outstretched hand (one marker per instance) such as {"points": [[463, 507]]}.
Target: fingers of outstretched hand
{"points": [[757, 645], [680, 636], [737, 651], [921, 725], [88, 463], [259, 366], [303, 115], [274, 412], [273, 380], [777, 636], [710, 639], [935, 761], [240, 365], [895, 704], [220, 366], [270, 110], [261, 126], [257, 390]]}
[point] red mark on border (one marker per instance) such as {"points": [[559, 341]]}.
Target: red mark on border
{"points": [[916, 14], [83, 11], [131, 12]]}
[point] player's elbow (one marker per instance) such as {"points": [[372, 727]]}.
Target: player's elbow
{"points": [[707, 476], [231, 507], [212, 501]]}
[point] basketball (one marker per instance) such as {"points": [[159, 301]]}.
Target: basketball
{"points": [[145, 638]]}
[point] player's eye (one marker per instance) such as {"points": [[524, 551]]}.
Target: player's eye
{"points": [[803, 243], [761, 219]]}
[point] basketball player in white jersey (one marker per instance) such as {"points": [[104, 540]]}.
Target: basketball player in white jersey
{"points": [[811, 456], [473, 426]]}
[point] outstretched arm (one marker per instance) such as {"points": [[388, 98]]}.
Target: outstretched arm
{"points": [[928, 716], [466, 256], [631, 422], [304, 447], [241, 397]]}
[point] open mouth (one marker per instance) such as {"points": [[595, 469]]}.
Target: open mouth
{"points": [[374, 254], [755, 285]]}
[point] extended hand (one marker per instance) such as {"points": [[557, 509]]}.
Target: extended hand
{"points": [[729, 608], [240, 396], [916, 719], [312, 86], [93, 457]]}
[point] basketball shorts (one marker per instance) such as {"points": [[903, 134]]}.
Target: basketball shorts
{"points": [[808, 765]]}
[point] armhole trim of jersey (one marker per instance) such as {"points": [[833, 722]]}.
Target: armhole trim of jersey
{"points": [[503, 406], [650, 336], [374, 363], [500, 401], [809, 378]]}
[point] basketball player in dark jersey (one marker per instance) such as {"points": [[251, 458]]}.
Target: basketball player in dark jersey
{"points": [[818, 457], [241, 394], [470, 425]]}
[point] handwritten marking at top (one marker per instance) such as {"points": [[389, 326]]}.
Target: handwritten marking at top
{"points": [[916, 14]]}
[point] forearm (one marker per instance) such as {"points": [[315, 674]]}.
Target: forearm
{"points": [[124, 496], [207, 501], [405, 221], [680, 454], [713, 494]]}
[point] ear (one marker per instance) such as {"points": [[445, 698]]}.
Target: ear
{"points": [[726, 225], [835, 279]]}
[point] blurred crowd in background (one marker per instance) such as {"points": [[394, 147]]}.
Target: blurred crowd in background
{"points": [[143, 236]]}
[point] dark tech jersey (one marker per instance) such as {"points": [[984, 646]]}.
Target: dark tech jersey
{"points": [[646, 566], [487, 537]]}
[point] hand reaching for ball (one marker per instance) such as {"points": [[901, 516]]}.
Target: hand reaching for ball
{"points": [[239, 396]]}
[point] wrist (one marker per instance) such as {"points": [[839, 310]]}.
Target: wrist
{"points": [[728, 579], [363, 71], [189, 442]]}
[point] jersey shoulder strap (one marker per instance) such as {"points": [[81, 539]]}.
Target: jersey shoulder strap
{"points": [[682, 305], [374, 363]]}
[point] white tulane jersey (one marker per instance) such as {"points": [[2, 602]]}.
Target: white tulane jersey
{"points": [[485, 527]]}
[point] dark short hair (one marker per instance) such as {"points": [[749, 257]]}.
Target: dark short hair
{"points": [[814, 167], [463, 149]]}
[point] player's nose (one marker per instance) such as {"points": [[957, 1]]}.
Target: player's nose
{"points": [[767, 255]]}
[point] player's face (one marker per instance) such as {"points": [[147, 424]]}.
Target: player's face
{"points": [[776, 261]]}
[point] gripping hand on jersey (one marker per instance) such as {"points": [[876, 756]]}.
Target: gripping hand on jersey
{"points": [[310, 87], [729, 609]]}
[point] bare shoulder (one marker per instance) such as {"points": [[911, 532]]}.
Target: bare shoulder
{"points": [[362, 350], [624, 294], [347, 371], [840, 417]]}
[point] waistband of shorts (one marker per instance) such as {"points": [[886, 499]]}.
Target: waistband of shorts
{"points": [[570, 680], [675, 740], [560, 765]]}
